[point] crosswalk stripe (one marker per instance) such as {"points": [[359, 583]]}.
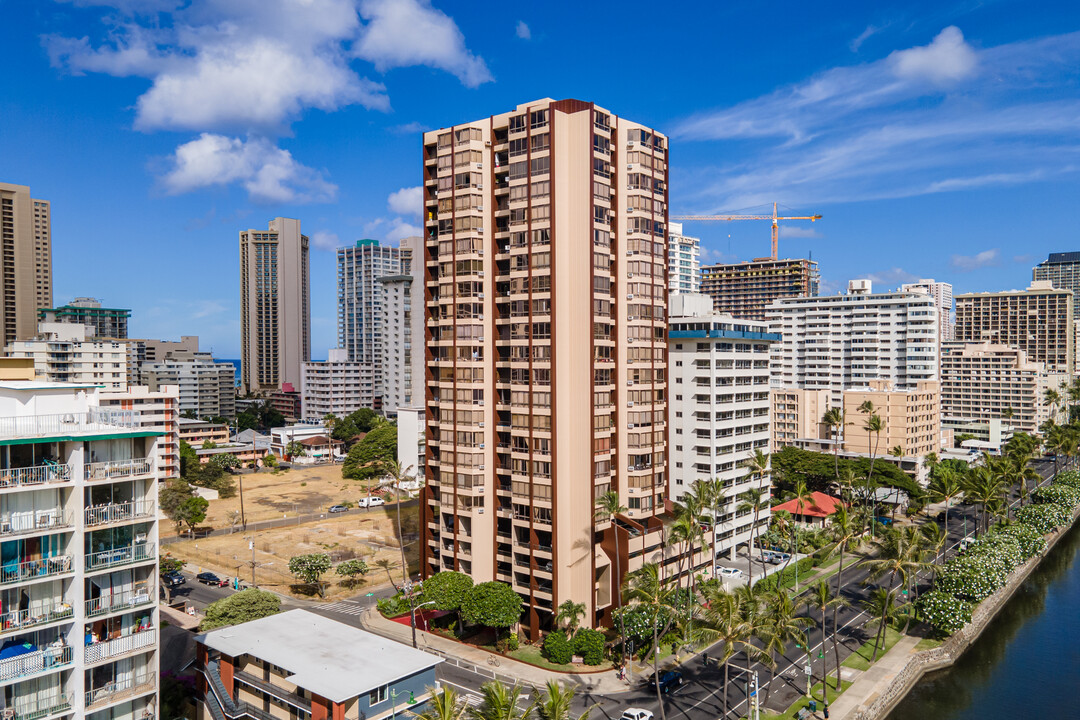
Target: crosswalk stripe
{"points": [[345, 607]]}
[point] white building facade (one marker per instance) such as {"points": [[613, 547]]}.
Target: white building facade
{"points": [[839, 342], [64, 352], [336, 385], [719, 414], [942, 293], [78, 555], [684, 261], [394, 367]]}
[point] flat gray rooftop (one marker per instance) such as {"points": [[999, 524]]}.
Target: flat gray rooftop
{"points": [[326, 657]]}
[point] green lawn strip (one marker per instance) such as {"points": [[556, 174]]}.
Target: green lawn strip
{"points": [[803, 701], [926, 644], [860, 659], [532, 655]]}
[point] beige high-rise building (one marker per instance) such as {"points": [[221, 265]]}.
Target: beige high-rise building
{"points": [[275, 306], [911, 418], [546, 297], [1038, 321], [25, 261]]}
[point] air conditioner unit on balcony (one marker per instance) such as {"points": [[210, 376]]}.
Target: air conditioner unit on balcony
{"points": [[629, 382], [630, 426], [480, 186], [480, 466], [630, 296], [629, 274], [630, 144], [630, 403], [487, 143], [630, 318], [629, 166], [629, 252], [480, 274], [479, 166], [480, 295], [481, 404], [480, 424], [481, 446]]}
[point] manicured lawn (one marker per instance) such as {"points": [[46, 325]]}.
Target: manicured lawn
{"points": [[531, 654], [927, 644], [860, 659], [816, 694]]}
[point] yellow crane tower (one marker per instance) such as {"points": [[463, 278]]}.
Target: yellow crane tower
{"points": [[774, 217]]}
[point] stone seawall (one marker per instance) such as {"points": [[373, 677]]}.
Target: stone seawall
{"points": [[950, 651]]}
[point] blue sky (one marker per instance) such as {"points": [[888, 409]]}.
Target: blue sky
{"points": [[938, 139]]}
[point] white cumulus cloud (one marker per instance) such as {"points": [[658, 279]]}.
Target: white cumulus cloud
{"points": [[967, 263], [523, 31], [407, 201], [268, 173], [325, 240], [947, 58]]}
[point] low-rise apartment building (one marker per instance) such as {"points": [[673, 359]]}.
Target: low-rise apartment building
{"points": [[336, 386], [299, 664], [159, 411], [197, 432], [68, 353], [207, 388]]}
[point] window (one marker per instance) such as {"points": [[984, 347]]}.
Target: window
{"points": [[379, 695]]}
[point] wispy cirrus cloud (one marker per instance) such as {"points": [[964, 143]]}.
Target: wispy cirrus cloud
{"points": [[941, 117], [984, 259], [240, 72]]}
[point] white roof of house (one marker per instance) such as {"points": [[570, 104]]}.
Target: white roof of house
{"points": [[326, 657]]}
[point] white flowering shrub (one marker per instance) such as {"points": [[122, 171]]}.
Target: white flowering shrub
{"points": [[1030, 541], [1000, 548], [1066, 496], [1070, 478], [1045, 517], [973, 577], [944, 612]]}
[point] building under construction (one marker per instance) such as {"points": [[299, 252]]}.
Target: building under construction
{"points": [[745, 289]]}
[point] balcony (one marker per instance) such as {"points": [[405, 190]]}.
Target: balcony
{"points": [[34, 476], [97, 420], [118, 512], [22, 620], [121, 646], [35, 569], [117, 602], [34, 662], [112, 692], [35, 708], [33, 522], [120, 556], [118, 469]]}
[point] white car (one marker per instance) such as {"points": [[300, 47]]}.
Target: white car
{"points": [[636, 714], [370, 501], [727, 572]]}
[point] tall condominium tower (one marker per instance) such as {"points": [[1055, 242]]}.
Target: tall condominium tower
{"points": [[745, 289], [275, 305], [360, 296], [106, 322], [943, 299], [25, 261], [1063, 270], [546, 299], [684, 261], [1038, 321]]}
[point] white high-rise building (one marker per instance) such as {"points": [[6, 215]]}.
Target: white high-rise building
{"points": [[839, 342], [335, 386], [943, 299], [360, 296], [393, 368], [719, 413], [684, 261], [63, 352], [78, 552]]}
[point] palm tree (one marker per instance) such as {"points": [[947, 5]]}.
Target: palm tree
{"points": [[571, 613], [715, 500], [1007, 413], [847, 482], [607, 507], [1052, 398], [821, 598], [874, 425], [754, 500], [386, 565], [644, 588], [834, 418], [499, 702], [784, 625], [897, 451], [803, 500], [395, 475], [445, 704], [724, 621], [882, 607], [896, 554], [984, 486], [945, 486], [555, 702], [934, 538]]}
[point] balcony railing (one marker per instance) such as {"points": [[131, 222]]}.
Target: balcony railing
{"points": [[114, 602], [33, 569], [32, 663], [113, 691], [118, 512], [44, 426], [120, 645], [119, 556], [34, 707], [34, 475], [113, 469], [21, 620], [30, 522]]}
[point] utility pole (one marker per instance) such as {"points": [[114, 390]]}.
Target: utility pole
{"points": [[251, 546], [754, 694]]}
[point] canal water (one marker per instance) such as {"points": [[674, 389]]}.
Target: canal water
{"points": [[1026, 664]]}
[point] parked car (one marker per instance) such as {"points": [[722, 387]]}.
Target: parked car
{"points": [[767, 556], [338, 508], [729, 572], [636, 714], [670, 680], [779, 558], [173, 579], [370, 501], [209, 578]]}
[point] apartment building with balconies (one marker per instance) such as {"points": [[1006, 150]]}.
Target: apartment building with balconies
{"points": [[684, 261], [1038, 320], [546, 283], [719, 412], [746, 289], [78, 553], [335, 386], [64, 353]]}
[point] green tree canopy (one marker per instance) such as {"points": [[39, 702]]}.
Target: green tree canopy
{"points": [[351, 569], [310, 568], [192, 511], [241, 607], [447, 589], [171, 497], [818, 469], [225, 461], [493, 604], [295, 449], [368, 458]]}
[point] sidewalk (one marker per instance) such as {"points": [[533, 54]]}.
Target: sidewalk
{"points": [[476, 660], [872, 682]]}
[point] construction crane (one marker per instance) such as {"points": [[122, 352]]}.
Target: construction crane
{"points": [[774, 217]]}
